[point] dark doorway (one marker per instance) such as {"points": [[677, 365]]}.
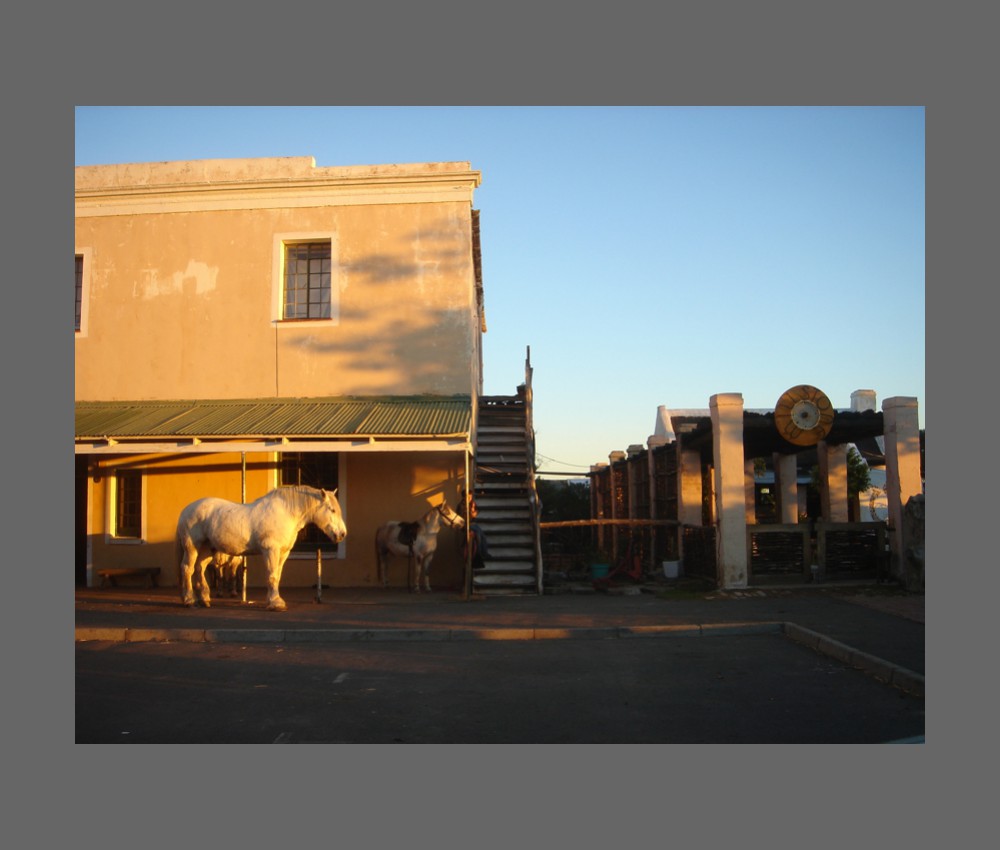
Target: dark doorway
{"points": [[80, 535]]}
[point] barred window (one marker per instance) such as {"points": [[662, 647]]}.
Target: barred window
{"points": [[307, 280], [316, 469]]}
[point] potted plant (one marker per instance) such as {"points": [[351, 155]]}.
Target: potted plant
{"points": [[599, 563]]}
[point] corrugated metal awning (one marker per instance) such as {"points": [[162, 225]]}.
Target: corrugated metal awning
{"points": [[245, 424]]}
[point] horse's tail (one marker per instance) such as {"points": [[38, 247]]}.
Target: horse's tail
{"points": [[181, 537], [179, 547]]}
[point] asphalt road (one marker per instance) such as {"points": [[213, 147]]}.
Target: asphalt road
{"points": [[711, 689]]}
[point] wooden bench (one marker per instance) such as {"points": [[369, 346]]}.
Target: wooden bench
{"points": [[111, 576]]}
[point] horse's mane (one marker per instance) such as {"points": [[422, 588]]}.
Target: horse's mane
{"points": [[298, 494]]}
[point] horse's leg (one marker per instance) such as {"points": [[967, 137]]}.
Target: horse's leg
{"points": [[227, 578], [239, 580], [382, 578], [201, 562], [275, 560], [413, 561], [188, 557], [428, 556]]}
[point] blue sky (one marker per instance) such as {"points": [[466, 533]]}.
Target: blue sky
{"points": [[647, 255]]}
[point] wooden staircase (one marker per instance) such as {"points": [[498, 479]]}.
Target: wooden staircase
{"points": [[506, 497]]}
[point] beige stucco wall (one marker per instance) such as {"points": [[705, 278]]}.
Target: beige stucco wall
{"points": [[374, 487], [182, 274], [184, 304]]}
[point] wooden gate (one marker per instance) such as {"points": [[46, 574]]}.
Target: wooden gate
{"points": [[840, 550], [699, 552], [851, 550], [779, 553]]}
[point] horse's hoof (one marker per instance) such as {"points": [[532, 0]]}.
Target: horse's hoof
{"points": [[277, 605]]}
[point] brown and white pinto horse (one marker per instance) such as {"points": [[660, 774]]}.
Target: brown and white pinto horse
{"points": [[417, 541]]}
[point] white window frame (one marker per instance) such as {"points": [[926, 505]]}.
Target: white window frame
{"points": [[111, 531], [87, 254], [278, 278]]}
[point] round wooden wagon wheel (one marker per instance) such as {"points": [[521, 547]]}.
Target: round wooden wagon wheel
{"points": [[803, 415]]}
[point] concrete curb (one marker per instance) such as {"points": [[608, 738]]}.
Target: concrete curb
{"points": [[885, 671], [140, 635]]}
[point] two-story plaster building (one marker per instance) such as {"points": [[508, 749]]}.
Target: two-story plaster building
{"points": [[242, 324]]}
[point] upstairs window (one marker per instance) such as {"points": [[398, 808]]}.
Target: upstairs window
{"points": [[83, 273], [307, 281], [79, 289]]}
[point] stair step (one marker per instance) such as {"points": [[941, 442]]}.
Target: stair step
{"points": [[500, 552], [502, 502], [506, 464], [503, 580], [502, 499], [500, 538], [513, 420], [506, 568], [502, 454], [496, 515], [496, 529], [503, 468]]}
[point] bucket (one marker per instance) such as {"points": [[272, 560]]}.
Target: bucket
{"points": [[671, 569], [599, 570]]}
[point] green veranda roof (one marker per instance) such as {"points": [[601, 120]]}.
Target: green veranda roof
{"points": [[384, 416]]}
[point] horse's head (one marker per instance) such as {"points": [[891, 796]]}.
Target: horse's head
{"points": [[452, 518], [329, 518]]}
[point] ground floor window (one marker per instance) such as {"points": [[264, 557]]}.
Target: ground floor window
{"points": [[316, 469], [128, 504]]}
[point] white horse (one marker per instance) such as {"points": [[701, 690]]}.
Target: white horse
{"points": [[415, 540], [267, 526]]}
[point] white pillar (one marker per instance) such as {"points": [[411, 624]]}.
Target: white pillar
{"points": [[786, 486], [833, 480], [730, 491], [902, 466], [862, 400]]}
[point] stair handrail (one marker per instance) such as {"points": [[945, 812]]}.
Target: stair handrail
{"points": [[536, 513]]}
